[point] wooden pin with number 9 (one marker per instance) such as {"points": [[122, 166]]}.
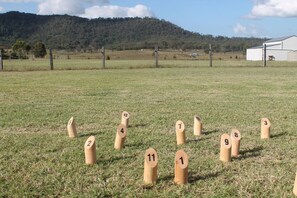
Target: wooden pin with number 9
{"points": [[225, 152], [150, 166]]}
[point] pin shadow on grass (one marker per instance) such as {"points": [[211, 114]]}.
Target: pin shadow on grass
{"points": [[210, 132], [198, 139], [87, 135], [114, 159], [279, 135], [248, 153], [193, 177]]}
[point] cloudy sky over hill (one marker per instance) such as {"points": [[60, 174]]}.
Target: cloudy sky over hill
{"points": [[259, 18]]}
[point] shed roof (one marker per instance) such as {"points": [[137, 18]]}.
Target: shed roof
{"points": [[279, 39]]}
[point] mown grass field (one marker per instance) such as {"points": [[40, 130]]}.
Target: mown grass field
{"points": [[38, 159]]}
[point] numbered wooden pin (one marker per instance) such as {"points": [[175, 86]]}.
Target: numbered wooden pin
{"points": [[71, 128], [295, 186], [235, 142], [180, 132], [90, 150], [125, 118], [120, 137], [181, 167], [197, 126], [265, 128], [225, 153], [150, 166]]}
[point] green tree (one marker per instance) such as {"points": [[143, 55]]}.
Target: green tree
{"points": [[39, 50], [21, 48]]}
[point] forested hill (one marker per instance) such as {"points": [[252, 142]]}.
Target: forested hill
{"points": [[70, 32]]}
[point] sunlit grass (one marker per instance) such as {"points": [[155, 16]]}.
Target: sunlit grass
{"points": [[38, 159]]}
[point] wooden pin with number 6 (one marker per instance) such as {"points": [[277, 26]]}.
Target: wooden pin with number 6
{"points": [[150, 166], [225, 152]]}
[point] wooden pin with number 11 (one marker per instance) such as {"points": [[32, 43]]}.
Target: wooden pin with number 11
{"points": [[150, 166]]}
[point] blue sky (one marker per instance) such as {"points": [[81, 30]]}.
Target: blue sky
{"points": [[257, 18]]}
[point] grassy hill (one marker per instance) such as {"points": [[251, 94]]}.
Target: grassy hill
{"points": [[70, 32]]}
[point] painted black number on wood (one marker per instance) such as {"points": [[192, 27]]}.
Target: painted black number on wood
{"points": [[153, 157], [226, 142], [181, 160]]}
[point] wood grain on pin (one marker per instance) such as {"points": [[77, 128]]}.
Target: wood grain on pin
{"points": [[125, 118], [235, 142], [150, 166], [225, 152], [265, 128], [90, 150], [295, 186], [181, 164], [180, 132], [120, 137], [71, 128], [197, 126]]}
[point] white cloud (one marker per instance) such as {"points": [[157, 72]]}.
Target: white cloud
{"points": [[72, 7], [277, 8], [1, 9], [241, 30], [19, 1], [117, 11], [90, 8]]}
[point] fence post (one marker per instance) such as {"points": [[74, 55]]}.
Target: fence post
{"points": [[210, 55], [1, 61], [264, 55], [156, 56], [103, 57], [51, 59]]}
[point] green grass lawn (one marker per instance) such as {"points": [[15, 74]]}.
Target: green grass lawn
{"points": [[38, 159]]}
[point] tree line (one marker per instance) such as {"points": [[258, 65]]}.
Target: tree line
{"points": [[80, 34]]}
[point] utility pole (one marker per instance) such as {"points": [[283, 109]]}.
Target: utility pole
{"points": [[156, 56]]}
